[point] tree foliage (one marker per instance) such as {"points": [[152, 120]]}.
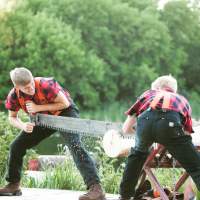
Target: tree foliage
{"points": [[101, 50], [184, 25]]}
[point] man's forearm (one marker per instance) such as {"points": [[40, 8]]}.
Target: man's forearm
{"points": [[16, 122], [51, 107], [128, 124]]}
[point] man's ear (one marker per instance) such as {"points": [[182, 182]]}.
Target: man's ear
{"points": [[16, 86]]}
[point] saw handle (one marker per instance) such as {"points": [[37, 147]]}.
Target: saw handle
{"points": [[33, 118]]}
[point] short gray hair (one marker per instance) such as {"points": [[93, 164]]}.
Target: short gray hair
{"points": [[21, 76], [167, 81]]}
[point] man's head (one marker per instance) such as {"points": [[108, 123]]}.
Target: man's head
{"points": [[165, 82], [23, 80]]}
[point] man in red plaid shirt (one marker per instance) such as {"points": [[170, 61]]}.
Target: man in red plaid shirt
{"points": [[44, 95], [162, 116]]}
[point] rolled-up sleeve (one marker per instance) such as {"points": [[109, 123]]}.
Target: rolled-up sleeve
{"points": [[134, 108], [12, 102], [188, 125]]}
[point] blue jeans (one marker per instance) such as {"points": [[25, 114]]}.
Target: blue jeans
{"points": [[164, 128], [26, 141]]}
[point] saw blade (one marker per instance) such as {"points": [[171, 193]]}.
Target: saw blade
{"points": [[86, 127]]}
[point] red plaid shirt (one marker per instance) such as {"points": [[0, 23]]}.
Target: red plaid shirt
{"points": [[177, 103], [49, 87]]}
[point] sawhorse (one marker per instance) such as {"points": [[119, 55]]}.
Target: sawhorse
{"points": [[159, 158]]}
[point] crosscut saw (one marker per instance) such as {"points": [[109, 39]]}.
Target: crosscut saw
{"points": [[86, 127]]}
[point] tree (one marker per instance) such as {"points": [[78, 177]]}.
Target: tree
{"points": [[183, 24], [102, 50], [120, 35], [49, 47]]}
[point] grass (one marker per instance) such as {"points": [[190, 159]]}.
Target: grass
{"points": [[64, 176]]}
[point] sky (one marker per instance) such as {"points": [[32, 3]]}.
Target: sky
{"points": [[162, 3], [5, 4]]}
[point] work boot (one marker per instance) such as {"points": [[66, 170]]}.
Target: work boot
{"points": [[11, 189], [95, 193]]}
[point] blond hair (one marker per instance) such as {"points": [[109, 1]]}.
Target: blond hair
{"points": [[167, 81], [21, 76]]}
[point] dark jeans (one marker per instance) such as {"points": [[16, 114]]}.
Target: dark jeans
{"points": [[164, 128], [26, 141]]}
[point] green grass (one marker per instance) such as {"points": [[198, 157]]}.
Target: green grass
{"points": [[166, 176], [64, 176]]}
